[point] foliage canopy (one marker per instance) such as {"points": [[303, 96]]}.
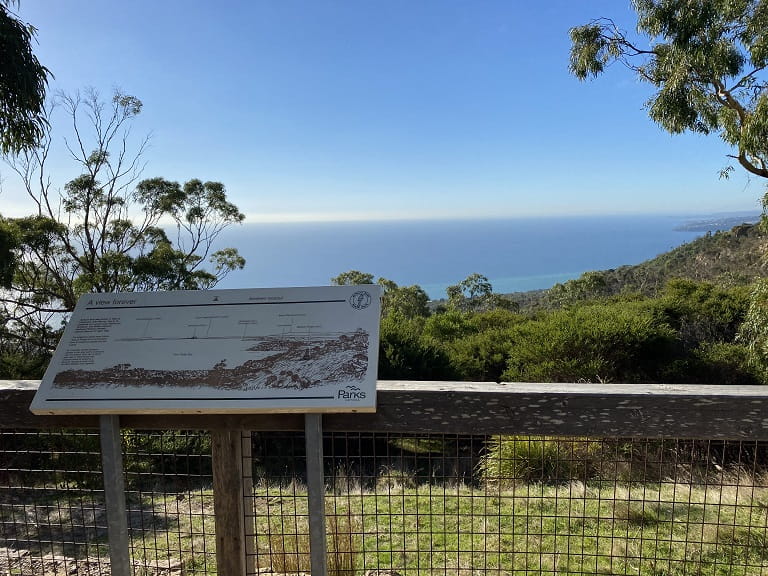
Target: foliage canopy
{"points": [[23, 84], [705, 58], [404, 301], [105, 230]]}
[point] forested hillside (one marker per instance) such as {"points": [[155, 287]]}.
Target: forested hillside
{"points": [[678, 318], [737, 256], [728, 258]]}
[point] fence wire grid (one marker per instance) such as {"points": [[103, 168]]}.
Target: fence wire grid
{"points": [[53, 515], [430, 504]]}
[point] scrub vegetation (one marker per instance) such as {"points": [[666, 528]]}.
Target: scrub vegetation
{"points": [[693, 315]]}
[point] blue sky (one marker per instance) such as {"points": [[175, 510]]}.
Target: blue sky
{"points": [[324, 110]]}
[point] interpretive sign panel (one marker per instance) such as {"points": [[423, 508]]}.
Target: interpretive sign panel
{"points": [[217, 351]]}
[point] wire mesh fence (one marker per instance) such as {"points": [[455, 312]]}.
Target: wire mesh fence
{"points": [[53, 515], [427, 504], [512, 505], [170, 502]]}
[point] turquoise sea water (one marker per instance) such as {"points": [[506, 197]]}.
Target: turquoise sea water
{"points": [[515, 254]]}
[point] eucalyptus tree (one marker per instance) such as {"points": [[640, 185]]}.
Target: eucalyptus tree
{"points": [[407, 302], [475, 294], [705, 59], [106, 230], [23, 84]]}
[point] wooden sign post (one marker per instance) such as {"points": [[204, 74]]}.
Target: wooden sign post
{"points": [[313, 437], [305, 350]]}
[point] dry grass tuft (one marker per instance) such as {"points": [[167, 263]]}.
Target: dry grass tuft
{"points": [[288, 545]]}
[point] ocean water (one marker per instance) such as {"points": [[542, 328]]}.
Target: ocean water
{"points": [[515, 254]]}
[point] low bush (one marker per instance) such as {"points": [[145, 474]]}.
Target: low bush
{"points": [[538, 459], [716, 363], [613, 342], [405, 355]]}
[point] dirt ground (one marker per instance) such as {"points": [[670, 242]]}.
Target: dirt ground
{"points": [[21, 563]]}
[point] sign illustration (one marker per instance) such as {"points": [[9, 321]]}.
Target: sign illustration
{"points": [[217, 351]]}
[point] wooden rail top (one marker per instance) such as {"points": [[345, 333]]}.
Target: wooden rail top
{"points": [[610, 410]]}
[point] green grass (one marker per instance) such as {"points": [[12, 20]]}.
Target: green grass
{"points": [[173, 531], [594, 528], [572, 529]]}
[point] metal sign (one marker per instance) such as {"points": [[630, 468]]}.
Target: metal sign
{"points": [[217, 351]]}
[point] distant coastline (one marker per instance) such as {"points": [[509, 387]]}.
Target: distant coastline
{"points": [[516, 254], [718, 223]]}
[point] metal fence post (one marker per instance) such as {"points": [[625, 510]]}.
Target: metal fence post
{"points": [[114, 495], [248, 504]]}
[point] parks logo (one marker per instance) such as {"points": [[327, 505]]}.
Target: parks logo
{"points": [[350, 394], [360, 300]]}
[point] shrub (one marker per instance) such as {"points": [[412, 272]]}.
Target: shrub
{"points": [[716, 363], [538, 459], [754, 331], [405, 355], [70, 457], [173, 458], [703, 312], [448, 326], [617, 342], [480, 357]]}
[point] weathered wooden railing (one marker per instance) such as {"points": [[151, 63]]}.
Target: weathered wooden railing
{"points": [[609, 410], [583, 410]]}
